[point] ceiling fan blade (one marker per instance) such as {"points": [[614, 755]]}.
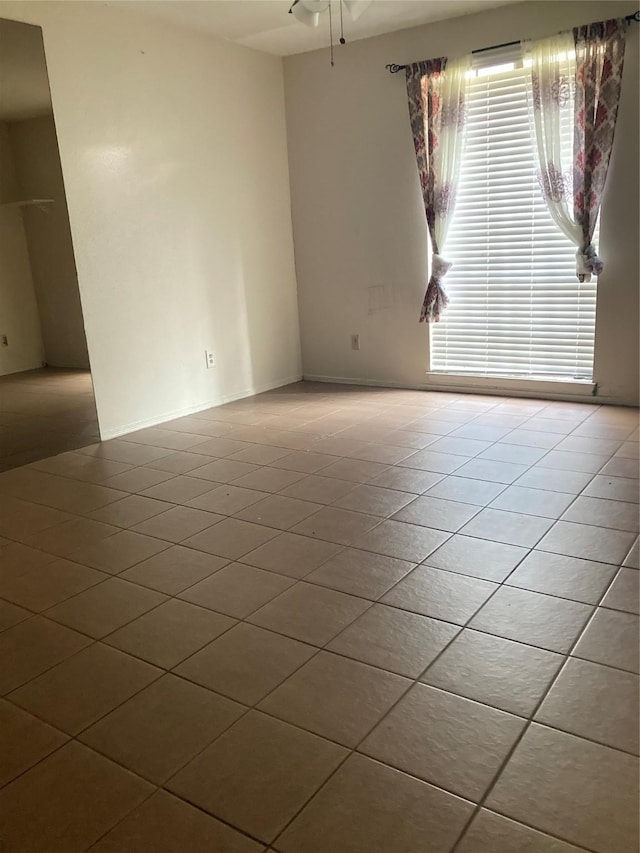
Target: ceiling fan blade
{"points": [[304, 16], [356, 7]]}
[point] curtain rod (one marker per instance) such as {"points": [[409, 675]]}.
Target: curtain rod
{"points": [[394, 68]]}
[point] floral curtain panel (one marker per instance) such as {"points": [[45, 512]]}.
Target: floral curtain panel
{"points": [[576, 77], [437, 91]]}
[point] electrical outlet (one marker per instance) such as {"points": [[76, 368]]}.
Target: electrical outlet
{"points": [[210, 358], [4, 341], [355, 341]]}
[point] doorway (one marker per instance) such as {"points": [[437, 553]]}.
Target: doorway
{"points": [[46, 394]]}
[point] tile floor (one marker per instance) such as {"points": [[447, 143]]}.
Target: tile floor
{"points": [[326, 619], [44, 412]]}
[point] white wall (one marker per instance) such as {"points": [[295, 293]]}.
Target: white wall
{"points": [[358, 216], [173, 150], [37, 163], [18, 310]]}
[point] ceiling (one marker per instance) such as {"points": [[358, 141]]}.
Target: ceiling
{"points": [[24, 85], [265, 24]]}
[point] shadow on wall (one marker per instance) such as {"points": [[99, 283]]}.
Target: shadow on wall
{"points": [[40, 312]]}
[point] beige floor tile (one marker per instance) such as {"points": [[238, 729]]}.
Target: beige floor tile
{"points": [[589, 444], [595, 702], [104, 608], [583, 540], [477, 557], [10, 615], [138, 479], [223, 470], [123, 450], [220, 447], [459, 446], [258, 774], [304, 462], [180, 462], [624, 593], [437, 513], [24, 740], [538, 502], [231, 538], [565, 460], [444, 739], [511, 528], [554, 480], [518, 453], [170, 633], [268, 479], [291, 555], [227, 500], [278, 511], [65, 539], [259, 454], [80, 690], [322, 490], [22, 519], [529, 617], [163, 727], [354, 470], [566, 577], [119, 552], [67, 802], [179, 490], [533, 438], [442, 595], [309, 613], [17, 558], [604, 513], [178, 523], [465, 490], [175, 569], [614, 488], [360, 573], [357, 812], [490, 833], [621, 467], [495, 671], [632, 560], [409, 480], [394, 639], [237, 590], [120, 450], [494, 472], [246, 663], [563, 785], [437, 463], [33, 646], [374, 500], [165, 824], [336, 525], [40, 588], [482, 431], [335, 697], [401, 540], [129, 511], [611, 638]]}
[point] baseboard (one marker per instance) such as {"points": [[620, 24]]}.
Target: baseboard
{"points": [[117, 432], [480, 388]]}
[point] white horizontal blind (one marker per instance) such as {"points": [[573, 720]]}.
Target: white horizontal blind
{"points": [[516, 307]]}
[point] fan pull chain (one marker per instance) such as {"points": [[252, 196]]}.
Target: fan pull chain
{"points": [[342, 38], [331, 33]]}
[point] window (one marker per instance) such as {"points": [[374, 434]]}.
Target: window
{"points": [[516, 307]]}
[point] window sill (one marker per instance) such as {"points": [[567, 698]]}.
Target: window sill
{"points": [[547, 387]]}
